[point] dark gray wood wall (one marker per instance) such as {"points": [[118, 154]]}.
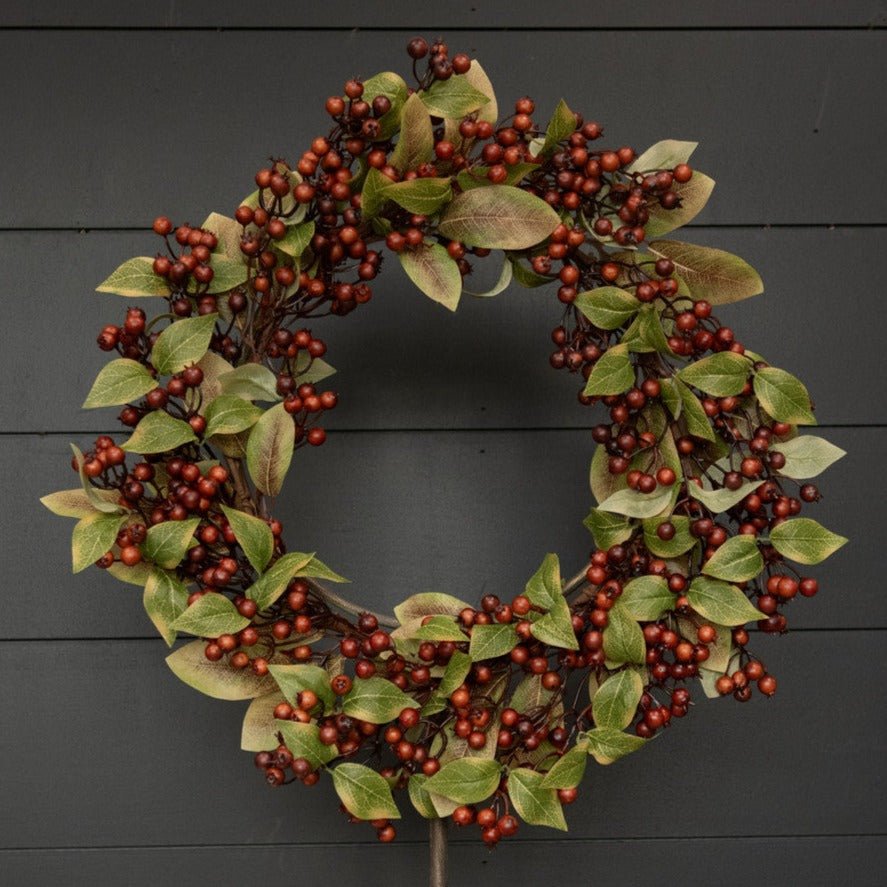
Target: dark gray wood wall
{"points": [[457, 458]]}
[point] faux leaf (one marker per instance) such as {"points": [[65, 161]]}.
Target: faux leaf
{"points": [[296, 239], [182, 343], [428, 603], [491, 641], [423, 196], [269, 587], [693, 196], [165, 599], [737, 560], [646, 598], [711, 274], [303, 740], [544, 586], [535, 804], [228, 414], [783, 396], [804, 540], [721, 602], [166, 543], [666, 154], [568, 770], [251, 381], [556, 627], [135, 277], [392, 86], [623, 638], [607, 307], [216, 679], [227, 275], [440, 628], [466, 781], [612, 374], [373, 194], [77, 503], [807, 456], [93, 536], [498, 217], [210, 616], [607, 745], [697, 422], [720, 375], [681, 542], [158, 432], [617, 699], [416, 142], [561, 126], [453, 98], [645, 334], [120, 381], [376, 700], [501, 284], [724, 498], [260, 727], [434, 272], [364, 792], [269, 450], [420, 796], [607, 529], [633, 503], [253, 536], [293, 679]]}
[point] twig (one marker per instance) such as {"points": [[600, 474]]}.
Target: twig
{"points": [[437, 845]]}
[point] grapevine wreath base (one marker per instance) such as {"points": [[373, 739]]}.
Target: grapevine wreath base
{"points": [[484, 713]]}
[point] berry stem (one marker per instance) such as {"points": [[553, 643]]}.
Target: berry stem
{"points": [[437, 845]]}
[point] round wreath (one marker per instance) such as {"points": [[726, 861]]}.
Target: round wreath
{"points": [[483, 713]]}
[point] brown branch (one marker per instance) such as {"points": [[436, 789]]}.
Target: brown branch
{"points": [[437, 846]]}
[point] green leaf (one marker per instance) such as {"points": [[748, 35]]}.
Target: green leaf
{"points": [[364, 792], [556, 627], [228, 414], [303, 740], [616, 701], [453, 98], [296, 239], [158, 432], [721, 602], [165, 599], [489, 112], [120, 381], [440, 628], [561, 126], [316, 569], [454, 675], [664, 155], [269, 587], [428, 603], [721, 500], [251, 381], [498, 217], [530, 695], [632, 503], [376, 700], [466, 781], [623, 638], [603, 484], [607, 745], [607, 307], [711, 274], [94, 536], [434, 272], [568, 770], [210, 616], [607, 529], [420, 797], [135, 277], [783, 396], [182, 343], [544, 586], [491, 641], [228, 231], [260, 727], [535, 804], [423, 196], [645, 334], [216, 679], [737, 560], [693, 196], [373, 195], [612, 374], [137, 575], [269, 449], [165, 544], [499, 286], [228, 274], [312, 369], [393, 87], [293, 679], [254, 536], [646, 598], [697, 422], [807, 456], [77, 503], [671, 397], [416, 142], [720, 375], [681, 542], [805, 541]]}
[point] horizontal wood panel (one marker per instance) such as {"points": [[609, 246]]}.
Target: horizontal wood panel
{"points": [[463, 512], [406, 362], [102, 746], [455, 14], [764, 862], [123, 126]]}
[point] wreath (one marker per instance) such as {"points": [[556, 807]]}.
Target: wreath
{"points": [[486, 713]]}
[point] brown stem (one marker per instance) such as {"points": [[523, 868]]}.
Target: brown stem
{"points": [[573, 583], [437, 845], [243, 499]]}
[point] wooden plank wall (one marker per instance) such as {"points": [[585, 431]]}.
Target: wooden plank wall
{"points": [[457, 458]]}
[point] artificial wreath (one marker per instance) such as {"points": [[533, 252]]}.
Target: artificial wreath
{"points": [[486, 713]]}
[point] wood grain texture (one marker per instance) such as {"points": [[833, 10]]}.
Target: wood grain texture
{"points": [[102, 746], [123, 126], [739, 862], [406, 362], [463, 512], [456, 14]]}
